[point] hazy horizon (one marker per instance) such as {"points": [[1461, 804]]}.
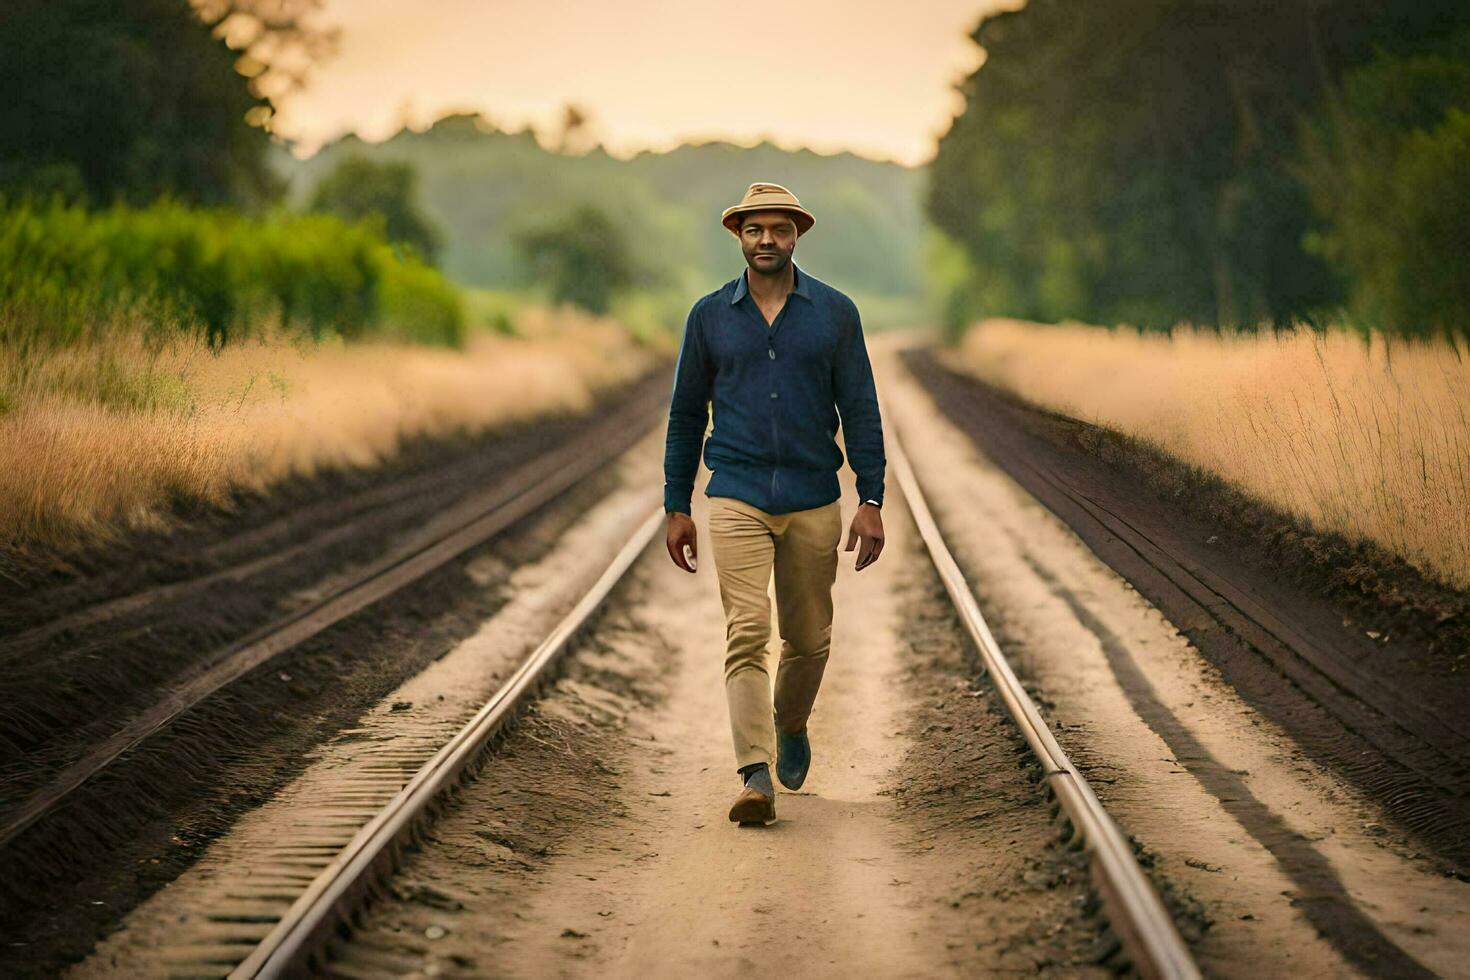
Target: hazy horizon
{"points": [[858, 79], [419, 126]]}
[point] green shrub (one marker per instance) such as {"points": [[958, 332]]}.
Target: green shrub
{"points": [[66, 272]]}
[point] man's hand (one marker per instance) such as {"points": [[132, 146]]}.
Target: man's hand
{"points": [[867, 528], [681, 536]]}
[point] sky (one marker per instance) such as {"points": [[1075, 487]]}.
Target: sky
{"points": [[871, 76]]}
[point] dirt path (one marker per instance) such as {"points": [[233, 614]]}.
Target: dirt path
{"points": [[204, 921], [136, 826], [1357, 659], [1289, 864], [596, 843], [594, 840]]}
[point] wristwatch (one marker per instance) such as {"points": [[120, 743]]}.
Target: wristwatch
{"points": [[874, 503]]}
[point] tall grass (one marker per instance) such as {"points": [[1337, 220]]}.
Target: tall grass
{"points": [[67, 273], [104, 433], [1365, 436]]}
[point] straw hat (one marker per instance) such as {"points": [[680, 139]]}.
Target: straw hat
{"points": [[762, 196]]}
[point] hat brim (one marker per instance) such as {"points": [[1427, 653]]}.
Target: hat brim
{"points": [[801, 216]]}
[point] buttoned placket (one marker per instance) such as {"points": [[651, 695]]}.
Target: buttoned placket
{"points": [[771, 330]]}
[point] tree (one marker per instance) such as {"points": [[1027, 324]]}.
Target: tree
{"points": [[277, 39], [575, 135], [1131, 161], [1389, 172], [358, 189], [132, 99], [582, 256]]}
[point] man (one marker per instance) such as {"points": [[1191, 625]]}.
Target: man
{"points": [[780, 354]]}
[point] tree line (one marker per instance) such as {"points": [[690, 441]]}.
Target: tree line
{"points": [[136, 185], [1221, 162]]}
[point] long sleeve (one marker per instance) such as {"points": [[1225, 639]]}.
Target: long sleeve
{"points": [[856, 396], [688, 417]]}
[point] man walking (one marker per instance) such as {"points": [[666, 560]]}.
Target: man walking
{"points": [[780, 354]]}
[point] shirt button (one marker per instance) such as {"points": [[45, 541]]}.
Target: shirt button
{"points": [[773, 394], [772, 352]]}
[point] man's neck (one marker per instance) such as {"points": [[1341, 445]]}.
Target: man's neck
{"points": [[775, 288]]}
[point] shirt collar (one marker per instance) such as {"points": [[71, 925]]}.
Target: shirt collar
{"points": [[799, 285]]}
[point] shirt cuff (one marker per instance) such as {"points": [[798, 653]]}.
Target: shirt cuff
{"points": [[676, 501]]}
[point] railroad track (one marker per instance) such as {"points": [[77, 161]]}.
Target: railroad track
{"points": [[464, 525], [1406, 751], [331, 883], [1133, 908], [280, 541], [83, 659]]}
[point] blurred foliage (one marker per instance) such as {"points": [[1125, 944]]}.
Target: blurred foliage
{"points": [[950, 283], [651, 317], [483, 185], [493, 310], [134, 99], [1210, 162], [278, 40], [581, 256], [1387, 165], [67, 272], [359, 189]]}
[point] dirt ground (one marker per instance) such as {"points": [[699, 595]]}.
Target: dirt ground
{"points": [[140, 827], [206, 919], [596, 842], [1296, 870], [1360, 658]]}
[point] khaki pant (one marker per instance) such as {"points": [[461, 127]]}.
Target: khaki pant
{"points": [[801, 547]]}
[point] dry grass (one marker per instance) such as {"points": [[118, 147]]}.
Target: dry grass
{"points": [[1368, 439], [98, 437]]}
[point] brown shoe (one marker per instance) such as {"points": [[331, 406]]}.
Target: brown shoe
{"points": [[753, 807]]}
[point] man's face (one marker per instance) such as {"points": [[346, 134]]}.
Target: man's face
{"points": [[767, 238]]}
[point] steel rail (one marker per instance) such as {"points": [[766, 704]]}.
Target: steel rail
{"points": [[1138, 917], [289, 948], [298, 942], [471, 524], [330, 522]]}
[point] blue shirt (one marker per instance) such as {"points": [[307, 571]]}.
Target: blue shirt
{"points": [[777, 391]]}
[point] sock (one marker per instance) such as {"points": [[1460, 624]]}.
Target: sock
{"points": [[758, 775]]}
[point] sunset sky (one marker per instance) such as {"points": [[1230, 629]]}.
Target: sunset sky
{"points": [[871, 76]]}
